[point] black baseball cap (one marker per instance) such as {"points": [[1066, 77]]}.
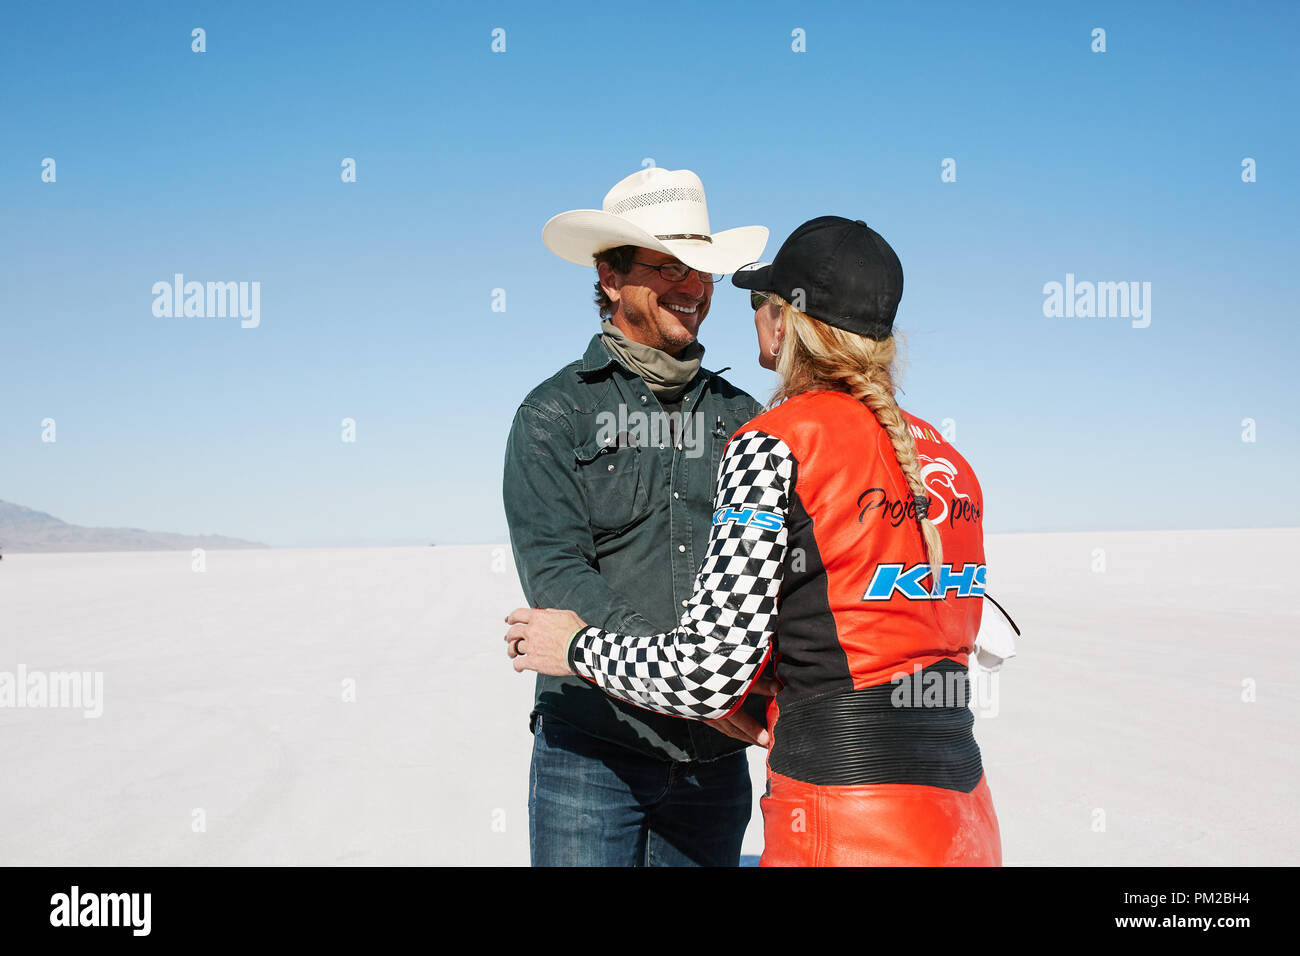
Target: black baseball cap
{"points": [[841, 270]]}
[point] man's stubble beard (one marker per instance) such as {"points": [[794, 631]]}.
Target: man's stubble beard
{"points": [[652, 334]]}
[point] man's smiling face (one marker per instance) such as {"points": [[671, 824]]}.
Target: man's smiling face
{"points": [[653, 311]]}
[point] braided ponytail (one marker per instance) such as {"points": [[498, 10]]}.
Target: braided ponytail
{"points": [[815, 355]]}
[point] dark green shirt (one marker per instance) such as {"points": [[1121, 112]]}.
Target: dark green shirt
{"points": [[610, 519]]}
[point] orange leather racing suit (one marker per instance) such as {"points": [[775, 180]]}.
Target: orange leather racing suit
{"points": [[816, 562]]}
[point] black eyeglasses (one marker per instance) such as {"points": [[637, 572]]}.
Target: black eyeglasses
{"points": [[756, 299], [676, 272]]}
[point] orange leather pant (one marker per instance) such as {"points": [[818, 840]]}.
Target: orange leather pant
{"points": [[878, 825]]}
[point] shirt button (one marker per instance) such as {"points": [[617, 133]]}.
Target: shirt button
{"points": [[661, 445], [676, 495], [644, 399], [610, 467], [681, 547], [683, 604], [679, 447]]}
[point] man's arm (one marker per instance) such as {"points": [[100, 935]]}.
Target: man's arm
{"points": [[549, 531]]}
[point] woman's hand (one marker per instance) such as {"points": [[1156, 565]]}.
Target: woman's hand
{"points": [[538, 639]]}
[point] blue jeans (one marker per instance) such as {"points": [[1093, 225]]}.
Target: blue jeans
{"points": [[594, 803]]}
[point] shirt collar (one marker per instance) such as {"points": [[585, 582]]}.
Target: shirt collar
{"points": [[595, 359]]}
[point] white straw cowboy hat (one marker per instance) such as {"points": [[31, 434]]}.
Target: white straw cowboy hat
{"points": [[655, 208]]}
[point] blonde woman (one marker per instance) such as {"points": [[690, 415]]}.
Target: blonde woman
{"points": [[847, 546]]}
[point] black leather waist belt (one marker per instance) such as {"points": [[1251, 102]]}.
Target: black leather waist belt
{"points": [[916, 731]]}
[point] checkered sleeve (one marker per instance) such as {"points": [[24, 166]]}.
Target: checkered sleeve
{"points": [[704, 666]]}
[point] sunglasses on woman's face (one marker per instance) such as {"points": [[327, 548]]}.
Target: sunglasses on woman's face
{"points": [[756, 299]]}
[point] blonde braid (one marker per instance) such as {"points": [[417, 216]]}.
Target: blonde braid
{"points": [[879, 397], [815, 355]]}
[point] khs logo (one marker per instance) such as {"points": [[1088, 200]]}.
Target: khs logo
{"points": [[891, 578], [766, 520]]}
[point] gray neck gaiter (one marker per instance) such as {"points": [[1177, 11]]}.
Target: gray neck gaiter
{"points": [[667, 376]]}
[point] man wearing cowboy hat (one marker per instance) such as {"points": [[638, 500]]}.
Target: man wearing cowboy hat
{"points": [[611, 518]]}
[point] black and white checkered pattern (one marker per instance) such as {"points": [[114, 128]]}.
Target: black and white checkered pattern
{"points": [[703, 667]]}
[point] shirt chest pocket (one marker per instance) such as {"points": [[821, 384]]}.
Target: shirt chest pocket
{"points": [[615, 481], [718, 444], [717, 437]]}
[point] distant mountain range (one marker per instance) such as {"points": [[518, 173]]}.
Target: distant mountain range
{"points": [[22, 529]]}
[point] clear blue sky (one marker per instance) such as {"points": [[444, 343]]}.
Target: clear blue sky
{"points": [[376, 296]]}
